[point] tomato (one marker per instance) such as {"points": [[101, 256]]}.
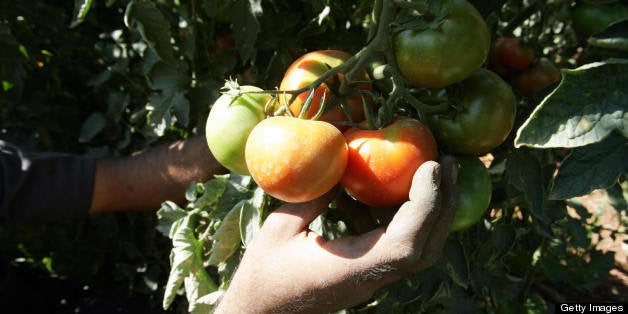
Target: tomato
{"points": [[310, 67], [229, 123], [446, 54], [590, 18], [474, 184], [509, 56], [224, 43], [296, 160], [382, 162], [537, 78], [484, 118]]}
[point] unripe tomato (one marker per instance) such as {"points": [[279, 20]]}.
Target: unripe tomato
{"points": [[509, 56], [296, 160], [382, 162], [229, 123], [591, 18], [542, 75], [475, 188], [310, 67], [484, 118], [446, 54]]}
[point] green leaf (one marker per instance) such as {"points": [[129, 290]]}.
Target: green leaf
{"points": [[227, 237], [167, 215], [81, 8], [595, 166], [187, 265], [243, 14], [524, 173], [614, 37], [168, 77], [153, 27], [588, 104], [94, 124], [456, 263], [250, 220]]}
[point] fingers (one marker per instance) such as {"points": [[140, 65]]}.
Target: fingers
{"points": [[413, 221], [442, 224], [293, 218]]}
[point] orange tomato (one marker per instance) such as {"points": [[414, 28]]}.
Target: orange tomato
{"points": [[295, 160], [310, 67], [382, 162]]}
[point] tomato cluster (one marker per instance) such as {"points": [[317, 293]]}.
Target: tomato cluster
{"points": [[310, 135], [518, 64]]}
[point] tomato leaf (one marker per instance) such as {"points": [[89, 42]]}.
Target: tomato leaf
{"points": [[153, 27], [614, 37], [588, 104], [94, 124], [186, 262], [456, 263], [81, 7], [524, 173], [227, 237], [250, 218], [595, 166], [243, 14]]}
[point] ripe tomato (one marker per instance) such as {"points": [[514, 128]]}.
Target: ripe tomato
{"points": [[310, 67], [591, 18], [296, 160], [229, 123], [474, 184], [486, 116], [382, 162], [447, 54], [509, 56], [542, 75]]}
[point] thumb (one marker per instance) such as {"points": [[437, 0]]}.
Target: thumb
{"points": [[411, 225]]}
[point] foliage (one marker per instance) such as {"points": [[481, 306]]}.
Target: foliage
{"points": [[106, 78]]}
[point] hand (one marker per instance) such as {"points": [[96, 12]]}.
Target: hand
{"points": [[288, 268]]}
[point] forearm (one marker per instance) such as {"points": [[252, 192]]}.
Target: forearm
{"points": [[144, 180]]}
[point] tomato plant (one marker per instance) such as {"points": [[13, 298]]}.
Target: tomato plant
{"points": [[483, 118], [229, 123], [592, 18], [537, 78], [296, 160], [475, 188], [381, 162], [508, 55], [447, 53], [309, 67]]}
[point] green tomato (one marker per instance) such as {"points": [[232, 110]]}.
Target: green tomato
{"points": [[590, 18], [446, 54], [474, 184], [229, 124], [484, 118]]}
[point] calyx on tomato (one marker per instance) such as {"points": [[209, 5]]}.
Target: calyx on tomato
{"points": [[483, 118], [447, 53], [307, 69], [231, 119]]}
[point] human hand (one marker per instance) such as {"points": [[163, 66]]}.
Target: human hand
{"points": [[288, 268]]}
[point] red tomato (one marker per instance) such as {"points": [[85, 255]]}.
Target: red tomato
{"points": [[509, 56], [310, 67], [295, 160], [537, 78], [382, 162]]}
